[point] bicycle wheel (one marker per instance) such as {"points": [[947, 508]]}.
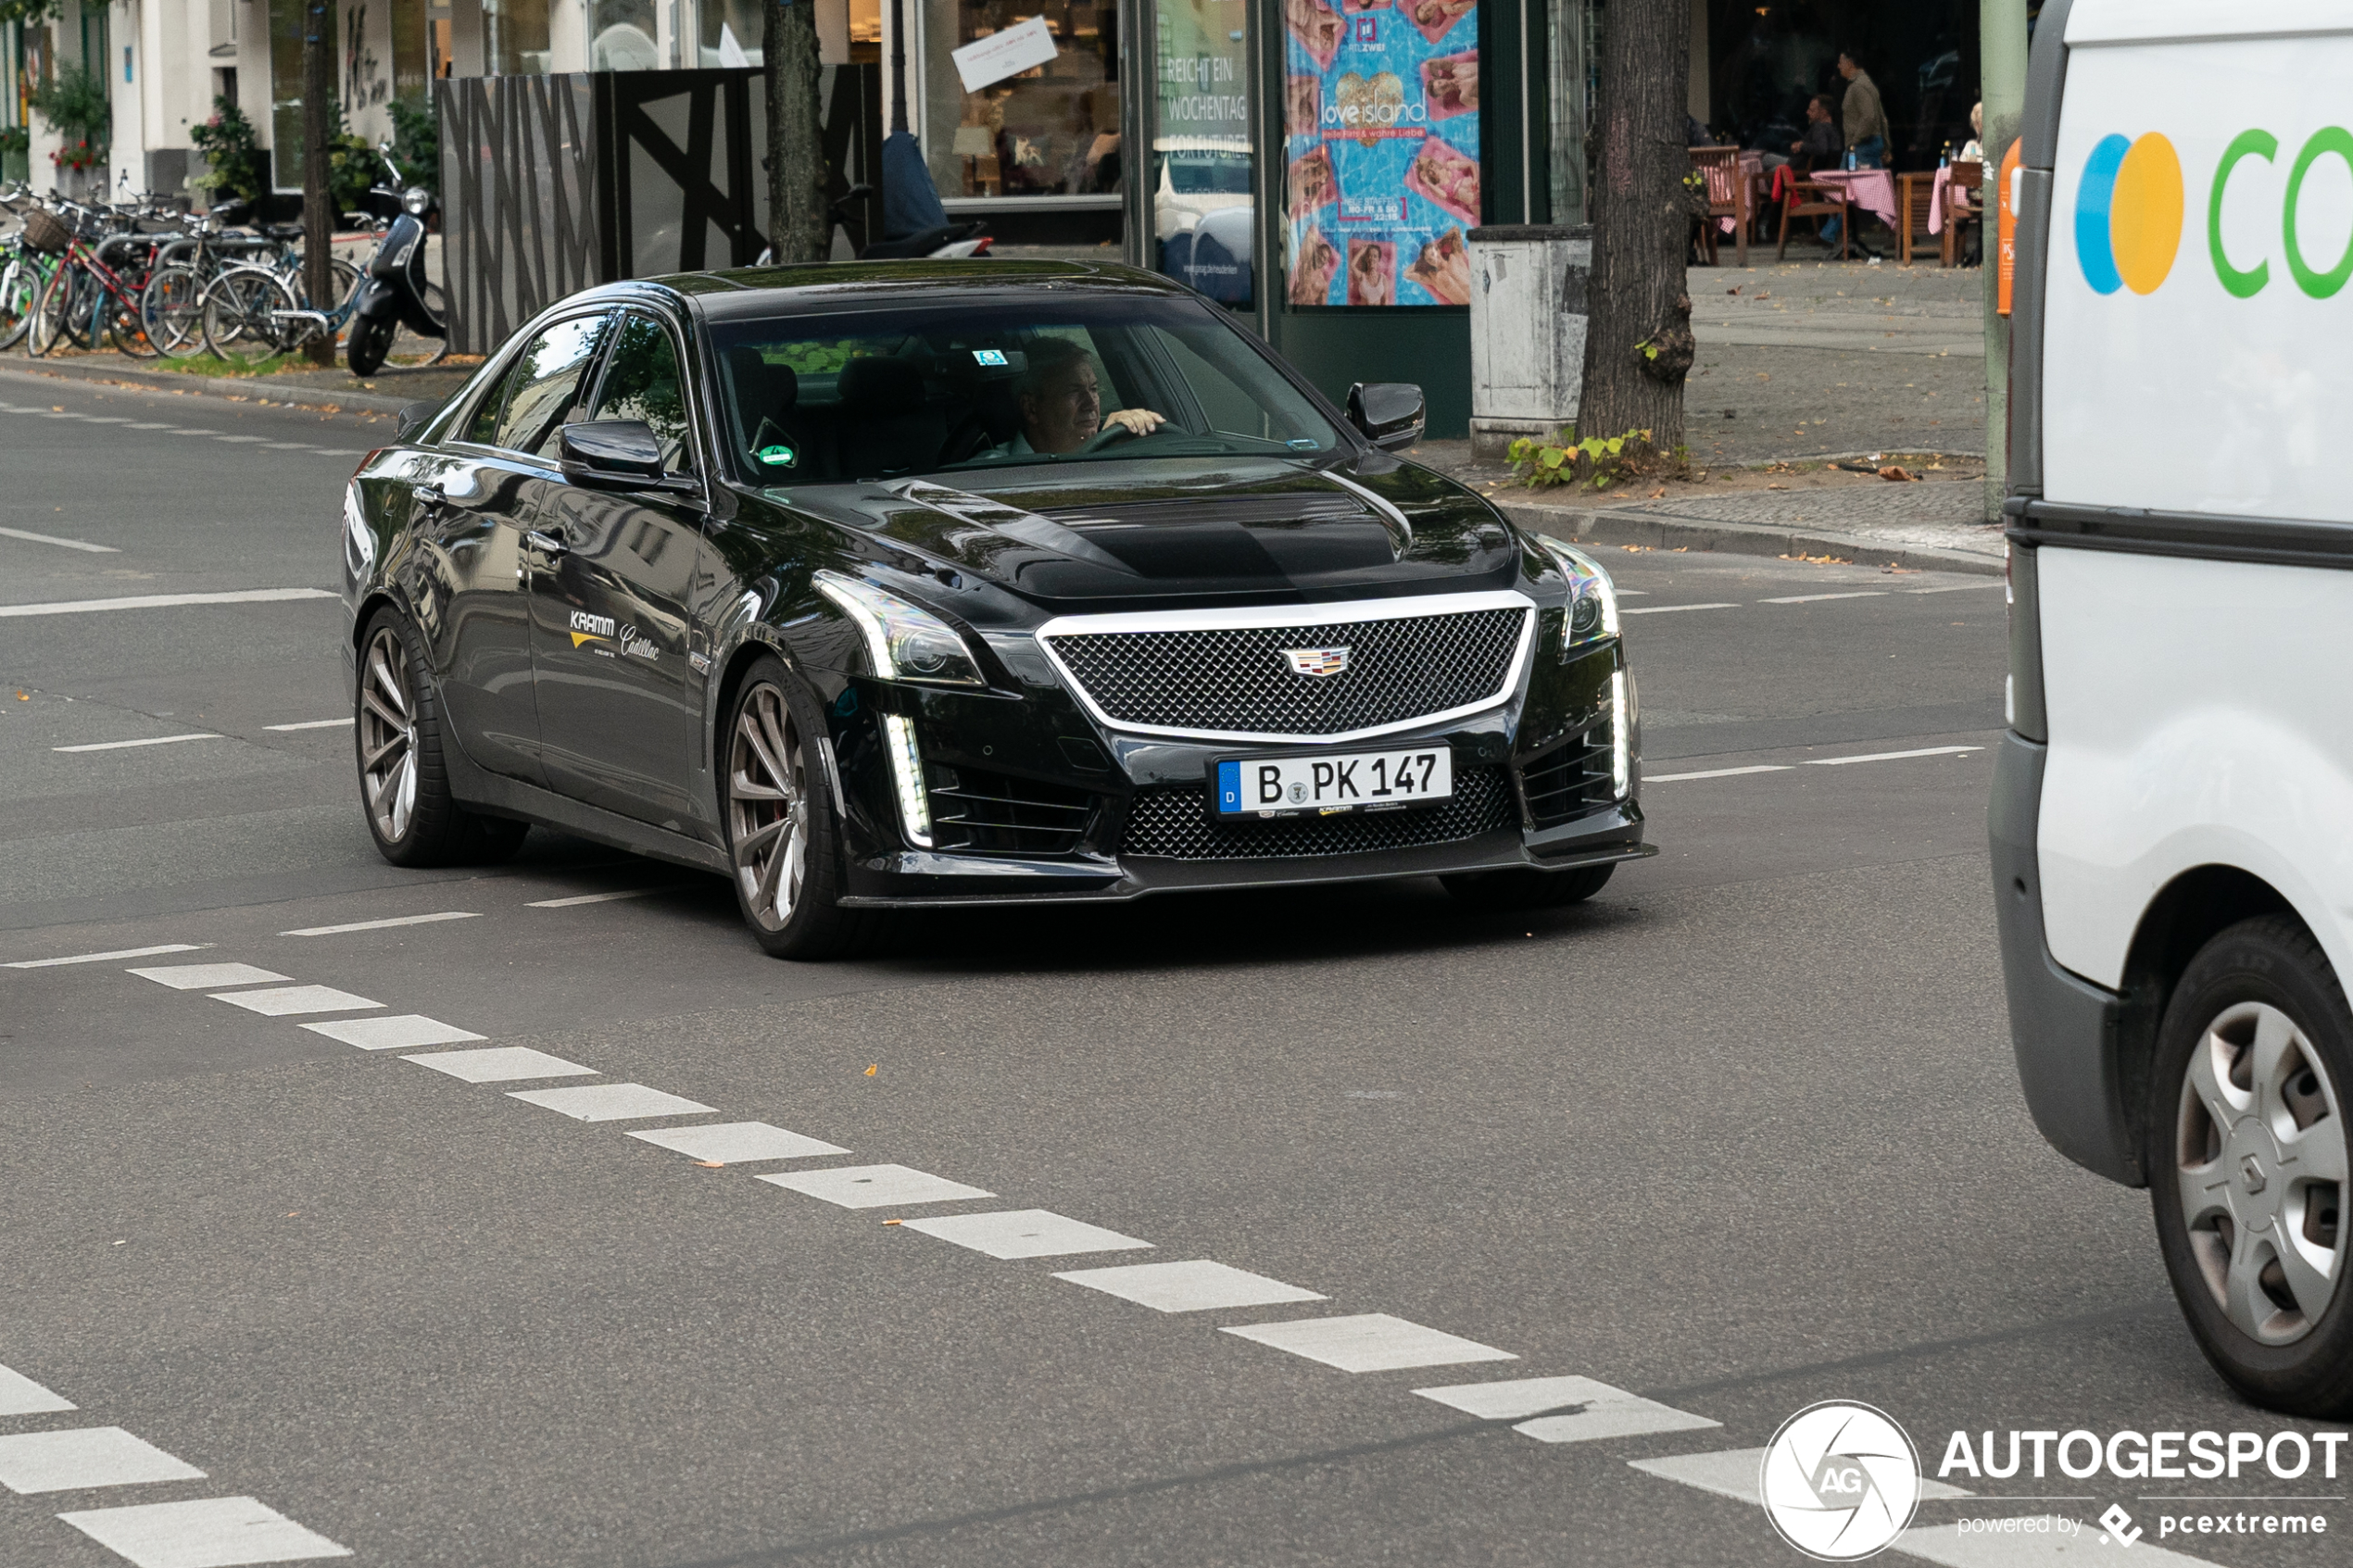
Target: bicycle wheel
{"points": [[125, 322], [55, 314], [20, 285], [172, 305], [411, 350], [238, 326]]}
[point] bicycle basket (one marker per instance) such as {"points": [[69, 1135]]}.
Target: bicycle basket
{"points": [[43, 232]]}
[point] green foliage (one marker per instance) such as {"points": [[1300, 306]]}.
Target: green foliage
{"points": [[29, 12], [814, 358], [75, 104], [237, 169], [352, 164], [416, 143], [15, 138], [1596, 460]]}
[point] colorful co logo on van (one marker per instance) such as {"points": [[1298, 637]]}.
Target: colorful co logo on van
{"points": [[2128, 209], [2128, 214]]}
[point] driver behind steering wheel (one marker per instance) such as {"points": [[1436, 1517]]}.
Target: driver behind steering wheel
{"points": [[1060, 404]]}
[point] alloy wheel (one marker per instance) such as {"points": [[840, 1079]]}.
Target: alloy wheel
{"points": [[388, 737], [2260, 1162], [768, 806]]}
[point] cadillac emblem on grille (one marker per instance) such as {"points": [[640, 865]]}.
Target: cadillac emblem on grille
{"points": [[1317, 661]]}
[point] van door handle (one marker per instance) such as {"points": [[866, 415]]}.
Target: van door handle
{"points": [[546, 544]]}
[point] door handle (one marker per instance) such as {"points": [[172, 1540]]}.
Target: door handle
{"points": [[430, 497], [546, 544]]}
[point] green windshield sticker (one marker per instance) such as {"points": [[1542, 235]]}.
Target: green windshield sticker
{"points": [[778, 457]]}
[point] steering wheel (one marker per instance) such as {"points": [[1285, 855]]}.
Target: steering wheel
{"points": [[1104, 438]]}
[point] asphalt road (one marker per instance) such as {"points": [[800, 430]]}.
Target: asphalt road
{"points": [[1741, 1135]]}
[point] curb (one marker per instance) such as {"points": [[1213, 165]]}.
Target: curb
{"points": [[1649, 529], [210, 387]]}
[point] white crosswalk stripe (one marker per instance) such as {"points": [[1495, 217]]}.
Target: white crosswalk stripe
{"points": [[1369, 1342], [609, 1102], [210, 1533], [737, 1142], [1195, 1286], [83, 1457], [1024, 1233], [875, 1186], [501, 1064]]}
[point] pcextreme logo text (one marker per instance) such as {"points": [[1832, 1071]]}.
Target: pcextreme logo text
{"points": [[2130, 203]]}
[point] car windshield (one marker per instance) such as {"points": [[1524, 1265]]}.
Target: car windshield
{"points": [[867, 394]]}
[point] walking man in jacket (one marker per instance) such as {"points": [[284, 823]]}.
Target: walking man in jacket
{"points": [[1864, 116]]}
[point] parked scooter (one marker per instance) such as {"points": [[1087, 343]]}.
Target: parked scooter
{"points": [[396, 296]]}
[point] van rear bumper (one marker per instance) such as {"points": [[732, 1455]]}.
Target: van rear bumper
{"points": [[2065, 1029]]}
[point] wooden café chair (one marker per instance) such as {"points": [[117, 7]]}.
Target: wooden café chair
{"points": [[1964, 202], [1728, 196], [1808, 198], [1915, 195]]}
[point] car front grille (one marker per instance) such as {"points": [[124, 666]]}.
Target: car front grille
{"points": [[1173, 823], [994, 814], [1572, 779], [1237, 681]]}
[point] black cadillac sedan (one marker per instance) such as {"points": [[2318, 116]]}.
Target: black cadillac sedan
{"points": [[872, 586]]}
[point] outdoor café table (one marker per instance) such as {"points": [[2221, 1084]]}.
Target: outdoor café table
{"points": [[1873, 190]]}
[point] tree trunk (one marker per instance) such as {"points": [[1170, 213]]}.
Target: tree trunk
{"points": [[799, 227], [1638, 345], [317, 207]]}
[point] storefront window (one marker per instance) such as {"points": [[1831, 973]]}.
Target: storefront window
{"points": [[1201, 148], [622, 35], [1048, 129], [411, 70], [1381, 143], [732, 33], [515, 36]]}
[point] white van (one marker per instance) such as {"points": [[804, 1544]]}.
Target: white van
{"points": [[2172, 820]]}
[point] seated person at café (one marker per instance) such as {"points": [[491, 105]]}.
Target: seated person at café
{"points": [[1820, 148], [1060, 404]]}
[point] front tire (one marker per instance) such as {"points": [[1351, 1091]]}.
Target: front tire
{"points": [[2246, 1152], [783, 841], [1523, 888], [404, 781], [367, 344]]}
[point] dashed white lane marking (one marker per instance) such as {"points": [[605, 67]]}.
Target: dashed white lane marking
{"points": [[102, 957], [85, 1456], [2029, 1548], [1732, 1473], [1369, 1342], [212, 1533], [1716, 773], [241, 440], [383, 924], [1889, 756], [1612, 1412], [1817, 598], [609, 1102], [1957, 588], [875, 1186], [1025, 1233], [20, 1395], [191, 430], [149, 426], [126, 745], [1670, 609], [1518, 1398], [312, 724], [736, 1143], [204, 976], [501, 1064], [596, 898], [394, 1032], [52, 539], [166, 601], [284, 1001], [1197, 1286], [285, 446]]}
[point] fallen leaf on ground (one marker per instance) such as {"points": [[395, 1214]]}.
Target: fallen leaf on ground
{"points": [[712, 1164], [874, 1068], [894, 1222], [1658, 493], [1896, 472], [1777, 487]]}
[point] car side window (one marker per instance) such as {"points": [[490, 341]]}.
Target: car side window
{"points": [[541, 387], [641, 382]]}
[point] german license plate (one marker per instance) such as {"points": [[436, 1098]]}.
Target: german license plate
{"points": [[1324, 785]]}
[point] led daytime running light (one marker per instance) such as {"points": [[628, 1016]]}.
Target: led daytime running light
{"points": [[1621, 737], [906, 771]]}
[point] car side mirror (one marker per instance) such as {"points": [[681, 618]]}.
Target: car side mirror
{"points": [[1387, 413], [412, 418], [610, 454]]}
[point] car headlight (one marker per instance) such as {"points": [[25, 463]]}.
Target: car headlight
{"points": [[415, 199], [1592, 600], [905, 642]]}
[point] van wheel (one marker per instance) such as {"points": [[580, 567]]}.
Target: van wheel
{"points": [[2246, 1154], [1522, 888], [784, 842]]}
